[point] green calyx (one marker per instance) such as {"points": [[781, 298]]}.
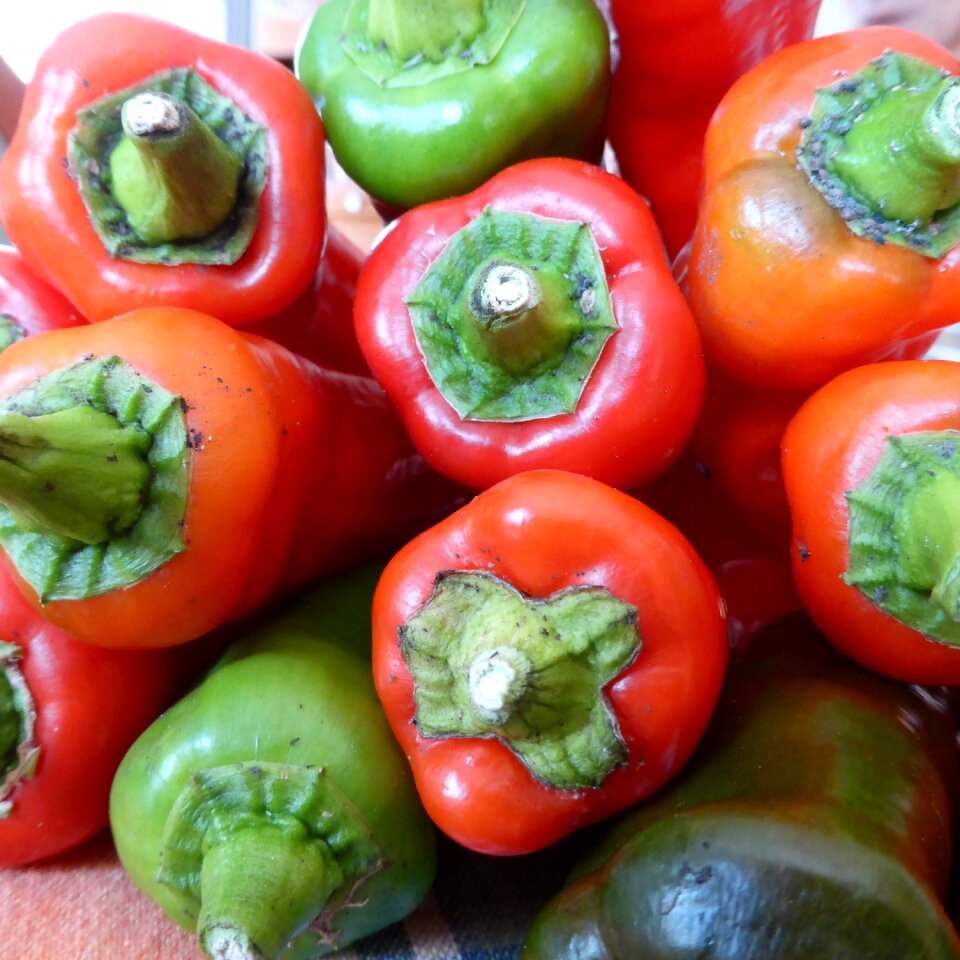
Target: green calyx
{"points": [[94, 475], [883, 147], [488, 661], [431, 29], [170, 171], [260, 852], [904, 533], [513, 315], [405, 43], [18, 750], [10, 331]]}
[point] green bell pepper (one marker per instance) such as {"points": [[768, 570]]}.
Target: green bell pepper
{"points": [[427, 99], [813, 822], [271, 809]]}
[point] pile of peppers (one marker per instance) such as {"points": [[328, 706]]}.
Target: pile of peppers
{"points": [[600, 503]]}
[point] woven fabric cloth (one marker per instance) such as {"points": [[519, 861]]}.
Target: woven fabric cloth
{"points": [[83, 907]]}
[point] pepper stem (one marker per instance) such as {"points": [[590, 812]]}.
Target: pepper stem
{"points": [[427, 28], [518, 320], [76, 473], [172, 175], [903, 155], [260, 886]]}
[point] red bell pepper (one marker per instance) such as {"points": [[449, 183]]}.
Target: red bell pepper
{"points": [[818, 248], [546, 656], [871, 464], [28, 304], [736, 443], [319, 323], [164, 473], [230, 129], [755, 579], [68, 713], [677, 60], [531, 324]]}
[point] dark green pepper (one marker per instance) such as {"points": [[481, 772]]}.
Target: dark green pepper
{"points": [[427, 99], [814, 822], [271, 809]]}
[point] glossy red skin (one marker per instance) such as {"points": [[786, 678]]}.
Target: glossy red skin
{"points": [[295, 472], [640, 402], [318, 325], [543, 531], [737, 443], [91, 705], [830, 446], [752, 573], [30, 300], [677, 60], [785, 296], [44, 215]]}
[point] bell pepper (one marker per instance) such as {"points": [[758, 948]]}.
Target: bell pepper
{"points": [[533, 324], [870, 468], [152, 166], [817, 248], [676, 62], [68, 713], [319, 323], [270, 809], [28, 304], [813, 822], [546, 656], [427, 100], [163, 473], [736, 443], [753, 573]]}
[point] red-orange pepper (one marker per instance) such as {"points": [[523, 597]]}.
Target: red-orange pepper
{"points": [[870, 464], [533, 324], [196, 471], [68, 713], [546, 656], [791, 284], [61, 179]]}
